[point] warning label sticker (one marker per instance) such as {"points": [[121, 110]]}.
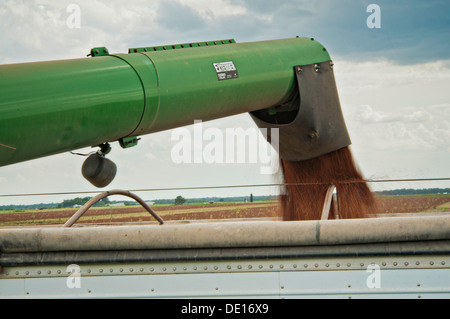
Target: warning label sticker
{"points": [[226, 70]]}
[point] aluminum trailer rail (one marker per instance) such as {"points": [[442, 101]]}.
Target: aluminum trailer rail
{"points": [[367, 258]]}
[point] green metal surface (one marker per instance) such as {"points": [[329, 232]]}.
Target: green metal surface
{"points": [[52, 107], [189, 89]]}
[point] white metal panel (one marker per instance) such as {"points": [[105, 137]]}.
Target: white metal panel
{"points": [[399, 277], [264, 284], [401, 283]]}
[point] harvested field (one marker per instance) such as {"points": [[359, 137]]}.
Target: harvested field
{"points": [[412, 204], [139, 214], [387, 205]]}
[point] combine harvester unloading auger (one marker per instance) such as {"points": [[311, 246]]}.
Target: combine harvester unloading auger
{"points": [[52, 107]]}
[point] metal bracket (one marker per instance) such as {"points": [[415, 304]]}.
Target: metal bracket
{"points": [[99, 197], [327, 203], [105, 149], [99, 51], [127, 142]]}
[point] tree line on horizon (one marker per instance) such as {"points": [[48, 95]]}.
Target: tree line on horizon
{"points": [[69, 203]]}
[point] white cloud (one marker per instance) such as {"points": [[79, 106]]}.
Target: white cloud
{"points": [[214, 9], [398, 116], [375, 75]]}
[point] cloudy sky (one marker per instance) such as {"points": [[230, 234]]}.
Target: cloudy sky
{"points": [[393, 83]]}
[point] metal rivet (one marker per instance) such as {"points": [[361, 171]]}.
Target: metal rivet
{"points": [[294, 265], [406, 263], [239, 267], [174, 268], [88, 271], [361, 264], [131, 269], [205, 268], [271, 266], [383, 263], [338, 265], [195, 267], [141, 269], [121, 269], [184, 268], [281, 266], [313, 134], [39, 272], [249, 266], [349, 265], [327, 265], [111, 270], [27, 272], [59, 271], [215, 267], [443, 263], [305, 265], [100, 270], [228, 267], [431, 263], [316, 265], [152, 269], [395, 263], [17, 272], [164, 269], [417, 263], [260, 266]]}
